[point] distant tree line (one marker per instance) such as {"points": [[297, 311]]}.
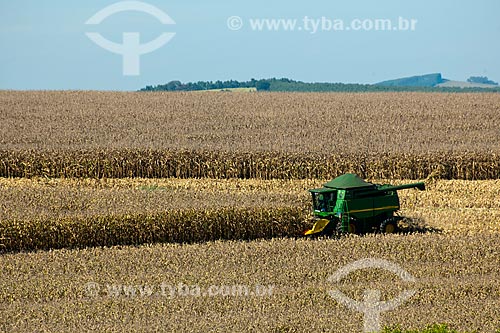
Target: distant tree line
{"points": [[285, 85], [209, 85]]}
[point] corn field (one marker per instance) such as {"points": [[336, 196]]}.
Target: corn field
{"points": [[106, 189], [264, 136]]}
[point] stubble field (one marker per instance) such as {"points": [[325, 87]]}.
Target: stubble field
{"points": [[217, 197]]}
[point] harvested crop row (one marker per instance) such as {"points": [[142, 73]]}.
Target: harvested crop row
{"points": [[260, 165], [52, 199], [59, 198]]}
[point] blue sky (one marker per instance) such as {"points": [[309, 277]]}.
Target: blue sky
{"points": [[44, 45]]}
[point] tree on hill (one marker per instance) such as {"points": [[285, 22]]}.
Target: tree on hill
{"points": [[481, 79]]}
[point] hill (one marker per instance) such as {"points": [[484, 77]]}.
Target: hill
{"points": [[434, 81], [428, 80]]}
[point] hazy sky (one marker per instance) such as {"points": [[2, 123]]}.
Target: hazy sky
{"points": [[44, 46]]}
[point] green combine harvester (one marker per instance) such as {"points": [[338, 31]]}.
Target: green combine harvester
{"points": [[349, 204]]}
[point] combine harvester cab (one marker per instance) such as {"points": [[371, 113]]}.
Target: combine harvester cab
{"points": [[349, 204]]}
